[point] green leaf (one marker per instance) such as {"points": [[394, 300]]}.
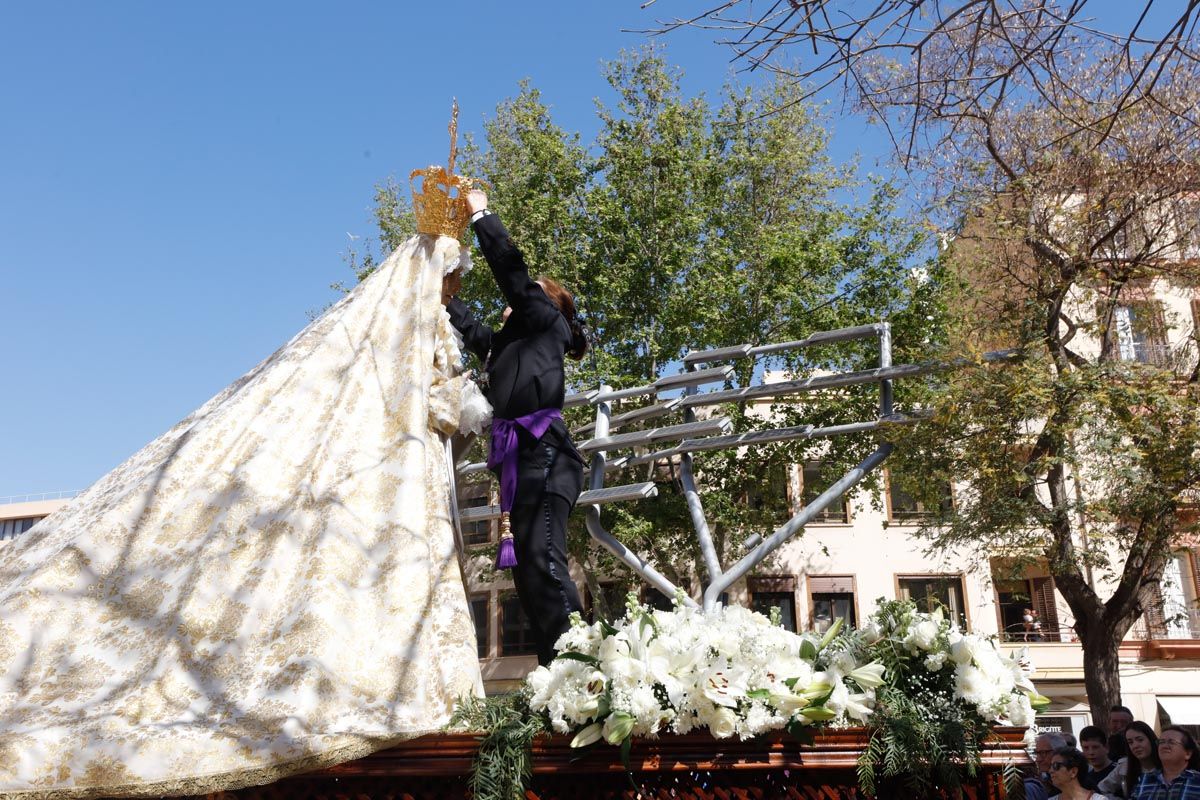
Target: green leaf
{"points": [[571, 655]]}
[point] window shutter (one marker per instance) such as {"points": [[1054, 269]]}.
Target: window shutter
{"points": [[771, 583], [831, 584], [1043, 601]]}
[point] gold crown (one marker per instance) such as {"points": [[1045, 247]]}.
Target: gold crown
{"points": [[440, 205]]}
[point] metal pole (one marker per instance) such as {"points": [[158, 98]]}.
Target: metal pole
{"points": [[635, 562], [695, 508], [886, 407], [632, 560], [789, 528]]}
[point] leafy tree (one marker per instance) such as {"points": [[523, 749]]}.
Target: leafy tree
{"points": [[1062, 152], [687, 226], [1084, 454]]}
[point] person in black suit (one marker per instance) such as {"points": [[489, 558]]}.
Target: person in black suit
{"points": [[541, 472]]}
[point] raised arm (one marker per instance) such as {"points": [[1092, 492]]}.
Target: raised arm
{"points": [[509, 268], [477, 336]]}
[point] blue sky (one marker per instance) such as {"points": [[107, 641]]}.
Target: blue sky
{"points": [[177, 182]]}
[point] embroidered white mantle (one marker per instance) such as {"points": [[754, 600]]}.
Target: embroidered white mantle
{"points": [[270, 586]]}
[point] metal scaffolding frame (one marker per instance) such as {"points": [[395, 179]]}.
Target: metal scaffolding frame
{"points": [[696, 434]]}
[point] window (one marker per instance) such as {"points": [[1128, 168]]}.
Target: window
{"points": [[1187, 220], [772, 495], [1028, 612], [12, 528], [832, 599], [475, 496], [813, 485], [516, 634], [655, 599], [931, 592], [1014, 599], [479, 610], [904, 508], [1139, 333], [770, 592]]}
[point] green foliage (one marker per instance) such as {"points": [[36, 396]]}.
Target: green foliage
{"points": [[1085, 455], [923, 739], [503, 764], [689, 224]]}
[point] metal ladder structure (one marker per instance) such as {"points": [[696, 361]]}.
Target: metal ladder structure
{"points": [[652, 443]]}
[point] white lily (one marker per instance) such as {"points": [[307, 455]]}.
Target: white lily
{"points": [[869, 676], [723, 684], [588, 735]]}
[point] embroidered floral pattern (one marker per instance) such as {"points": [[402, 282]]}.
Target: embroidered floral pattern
{"points": [[270, 586]]}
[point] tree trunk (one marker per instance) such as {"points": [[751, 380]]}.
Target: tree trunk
{"points": [[1102, 670]]}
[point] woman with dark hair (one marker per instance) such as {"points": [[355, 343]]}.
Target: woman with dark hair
{"points": [[1066, 768], [1179, 773], [1142, 744], [540, 471]]}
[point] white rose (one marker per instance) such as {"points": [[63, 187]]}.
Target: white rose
{"points": [[1019, 712], [538, 680], [722, 722], [964, 650], [838, 698], [922, 636]]}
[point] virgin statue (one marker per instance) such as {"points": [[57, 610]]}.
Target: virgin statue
{"points": [[271, 586]]}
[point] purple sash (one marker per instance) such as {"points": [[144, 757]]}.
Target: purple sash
{"points": [[503, 452]]}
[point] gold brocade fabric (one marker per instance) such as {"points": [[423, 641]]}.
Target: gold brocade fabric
{"points": [[271, 586]]}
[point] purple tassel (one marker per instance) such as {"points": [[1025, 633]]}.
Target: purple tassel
{"points": [[507, 557]]}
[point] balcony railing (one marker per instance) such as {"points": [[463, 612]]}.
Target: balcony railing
{"points": [[1018, 633], [34, 498], [1184, 624], [1164, 356]]}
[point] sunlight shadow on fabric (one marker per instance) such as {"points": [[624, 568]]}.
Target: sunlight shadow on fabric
{"points": [[271, 586]]}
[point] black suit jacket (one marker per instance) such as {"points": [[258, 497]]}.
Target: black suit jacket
{"points": [[525, 357]]}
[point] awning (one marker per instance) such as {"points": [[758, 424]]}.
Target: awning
{"points": [[1183, 710]]}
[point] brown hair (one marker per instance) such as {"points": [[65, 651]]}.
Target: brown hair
{"points": [[1133, 771], [566, 306]]}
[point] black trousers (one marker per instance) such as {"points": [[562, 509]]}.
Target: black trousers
{"points": [[550, 477]]}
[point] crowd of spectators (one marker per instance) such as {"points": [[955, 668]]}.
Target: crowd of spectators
{"points": [[1129, 762]]}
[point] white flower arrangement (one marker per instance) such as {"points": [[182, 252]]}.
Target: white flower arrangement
{"points": [[738, 673], [732, 671], [996, 686]]}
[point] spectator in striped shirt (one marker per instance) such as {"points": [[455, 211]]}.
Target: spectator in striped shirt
{"points": [[1179, 777]]}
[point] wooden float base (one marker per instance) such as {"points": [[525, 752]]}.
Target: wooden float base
{"points": [[690, 767]]}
